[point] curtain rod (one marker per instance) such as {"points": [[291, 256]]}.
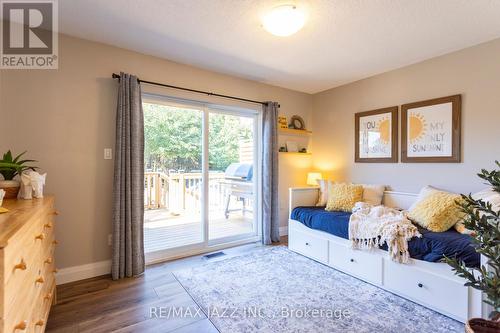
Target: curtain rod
{"points": [[117, 76]]}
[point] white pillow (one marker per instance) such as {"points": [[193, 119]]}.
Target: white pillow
{"points": [[324, 189], [372, 194], [489, 195]]}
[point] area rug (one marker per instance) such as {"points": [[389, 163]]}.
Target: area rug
{"points": [[276, 290]]}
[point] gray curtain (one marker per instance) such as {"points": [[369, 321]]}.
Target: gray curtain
{"points": [[270, 204], [128, 187]]}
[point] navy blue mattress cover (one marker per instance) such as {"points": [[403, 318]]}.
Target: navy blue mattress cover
{"points": [[432, 246]]}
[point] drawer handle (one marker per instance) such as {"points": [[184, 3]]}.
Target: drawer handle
{"points": [[40, 237], [21, 326], [55, 242], [55, 270], [352, 260], [48, 261], [420, 285], [40, 280], [47, 225], [56, 212], [21, 265], [48, 296], [40, 323], [307, 244]]}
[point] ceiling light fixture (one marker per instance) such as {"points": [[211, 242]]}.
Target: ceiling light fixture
{"points": [[284, 20]]}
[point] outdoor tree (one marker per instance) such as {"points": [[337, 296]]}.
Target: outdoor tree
{"points": [[173, 138]]}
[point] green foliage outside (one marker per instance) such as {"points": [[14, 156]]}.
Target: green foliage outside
{"points": [[173, 138]]}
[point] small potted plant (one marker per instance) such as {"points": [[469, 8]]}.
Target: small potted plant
{"points": [[10, 168], [484, 220]]}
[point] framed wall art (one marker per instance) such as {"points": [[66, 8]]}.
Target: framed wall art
{"points": [[376, 136], [431, 130]]}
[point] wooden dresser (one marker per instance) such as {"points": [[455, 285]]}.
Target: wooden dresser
{"points": [[27, 270]]}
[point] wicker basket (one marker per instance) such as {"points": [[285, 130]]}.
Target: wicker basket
{"points": [[11, 188], [478, 325]]}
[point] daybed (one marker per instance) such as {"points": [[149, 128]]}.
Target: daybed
{"points": [[423, 280]]}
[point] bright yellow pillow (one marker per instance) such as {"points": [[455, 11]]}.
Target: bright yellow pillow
{"points": [[437, 211], [342, 197]]}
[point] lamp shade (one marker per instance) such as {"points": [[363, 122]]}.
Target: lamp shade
{"points": [[313, 177]]}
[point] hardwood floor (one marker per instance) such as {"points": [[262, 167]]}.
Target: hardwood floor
{"points": [[129, 305]]}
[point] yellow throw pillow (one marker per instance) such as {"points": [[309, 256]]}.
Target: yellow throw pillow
{"points": [[342, 197], [436, 211]]}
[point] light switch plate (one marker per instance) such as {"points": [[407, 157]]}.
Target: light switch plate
{"points": [[108, 154]]}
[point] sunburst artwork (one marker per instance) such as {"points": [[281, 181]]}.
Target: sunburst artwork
{"points": [[376, 135], [384, 130], [417, 126], [431, 130]]}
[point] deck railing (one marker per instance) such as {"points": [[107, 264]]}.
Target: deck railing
{"points": [[180, 191]]}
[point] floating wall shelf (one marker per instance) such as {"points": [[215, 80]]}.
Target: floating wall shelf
{"points": [[290, 131], [293, 153]]}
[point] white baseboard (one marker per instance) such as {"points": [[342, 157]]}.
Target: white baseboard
{"points": [[75, 273], [283, 231], [87, 271]]}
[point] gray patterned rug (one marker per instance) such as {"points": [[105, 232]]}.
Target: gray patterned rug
{"points": [[276, 290]]}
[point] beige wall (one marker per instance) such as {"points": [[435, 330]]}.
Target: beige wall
{"points": [[65, 118], [472, 72]]}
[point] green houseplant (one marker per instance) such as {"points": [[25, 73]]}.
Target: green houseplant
{"points": [[483, 219], [10, 167]]}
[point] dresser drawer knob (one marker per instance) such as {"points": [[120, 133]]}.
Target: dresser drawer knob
{"points": [[40, 323], [351, 260], [420, 285], [21, 326], [307, 244], [55, 242], [48, 296], [40, 237], [40, 280], [48, 261], [21, 265], [56, 212], [48, 225], [55, 270]]}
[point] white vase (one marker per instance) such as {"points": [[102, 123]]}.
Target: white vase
{"points": [[11, 188]]}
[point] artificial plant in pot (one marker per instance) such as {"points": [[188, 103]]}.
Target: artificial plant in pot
{"points": [[9, 168], [483, 219]]}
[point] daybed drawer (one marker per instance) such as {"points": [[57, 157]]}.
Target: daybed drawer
{"points": [[360, 263], [438, 292], [308, 245]]}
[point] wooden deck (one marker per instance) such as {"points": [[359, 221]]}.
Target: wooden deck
{"points": [[163, 230]]}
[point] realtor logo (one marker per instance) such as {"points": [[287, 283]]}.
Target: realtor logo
{"points": [[29, 34]]}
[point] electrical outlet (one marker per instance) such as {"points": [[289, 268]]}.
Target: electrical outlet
{"points": [[108, 154], [110, 239]]}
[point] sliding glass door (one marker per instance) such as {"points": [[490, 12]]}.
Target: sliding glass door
{"points": [[232, 160], [201, 177], [173, 178]]}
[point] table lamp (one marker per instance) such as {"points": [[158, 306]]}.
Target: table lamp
{"points": [[313, 177]]}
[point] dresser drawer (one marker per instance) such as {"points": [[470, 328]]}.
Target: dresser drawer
{"points": [[27, 264], [309, 245], [360, 263], [445, 295]]}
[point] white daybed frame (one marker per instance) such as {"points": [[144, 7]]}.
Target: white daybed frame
{"points": [[432, 285]]}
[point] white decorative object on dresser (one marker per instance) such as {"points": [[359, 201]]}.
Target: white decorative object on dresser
{"points": [[430, 284], [27, 270]]}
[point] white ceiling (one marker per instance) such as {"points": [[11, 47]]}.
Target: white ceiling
{"points": [[342, 41]]}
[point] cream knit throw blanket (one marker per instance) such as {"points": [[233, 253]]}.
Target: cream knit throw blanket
{"points": [[371, 226]]}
